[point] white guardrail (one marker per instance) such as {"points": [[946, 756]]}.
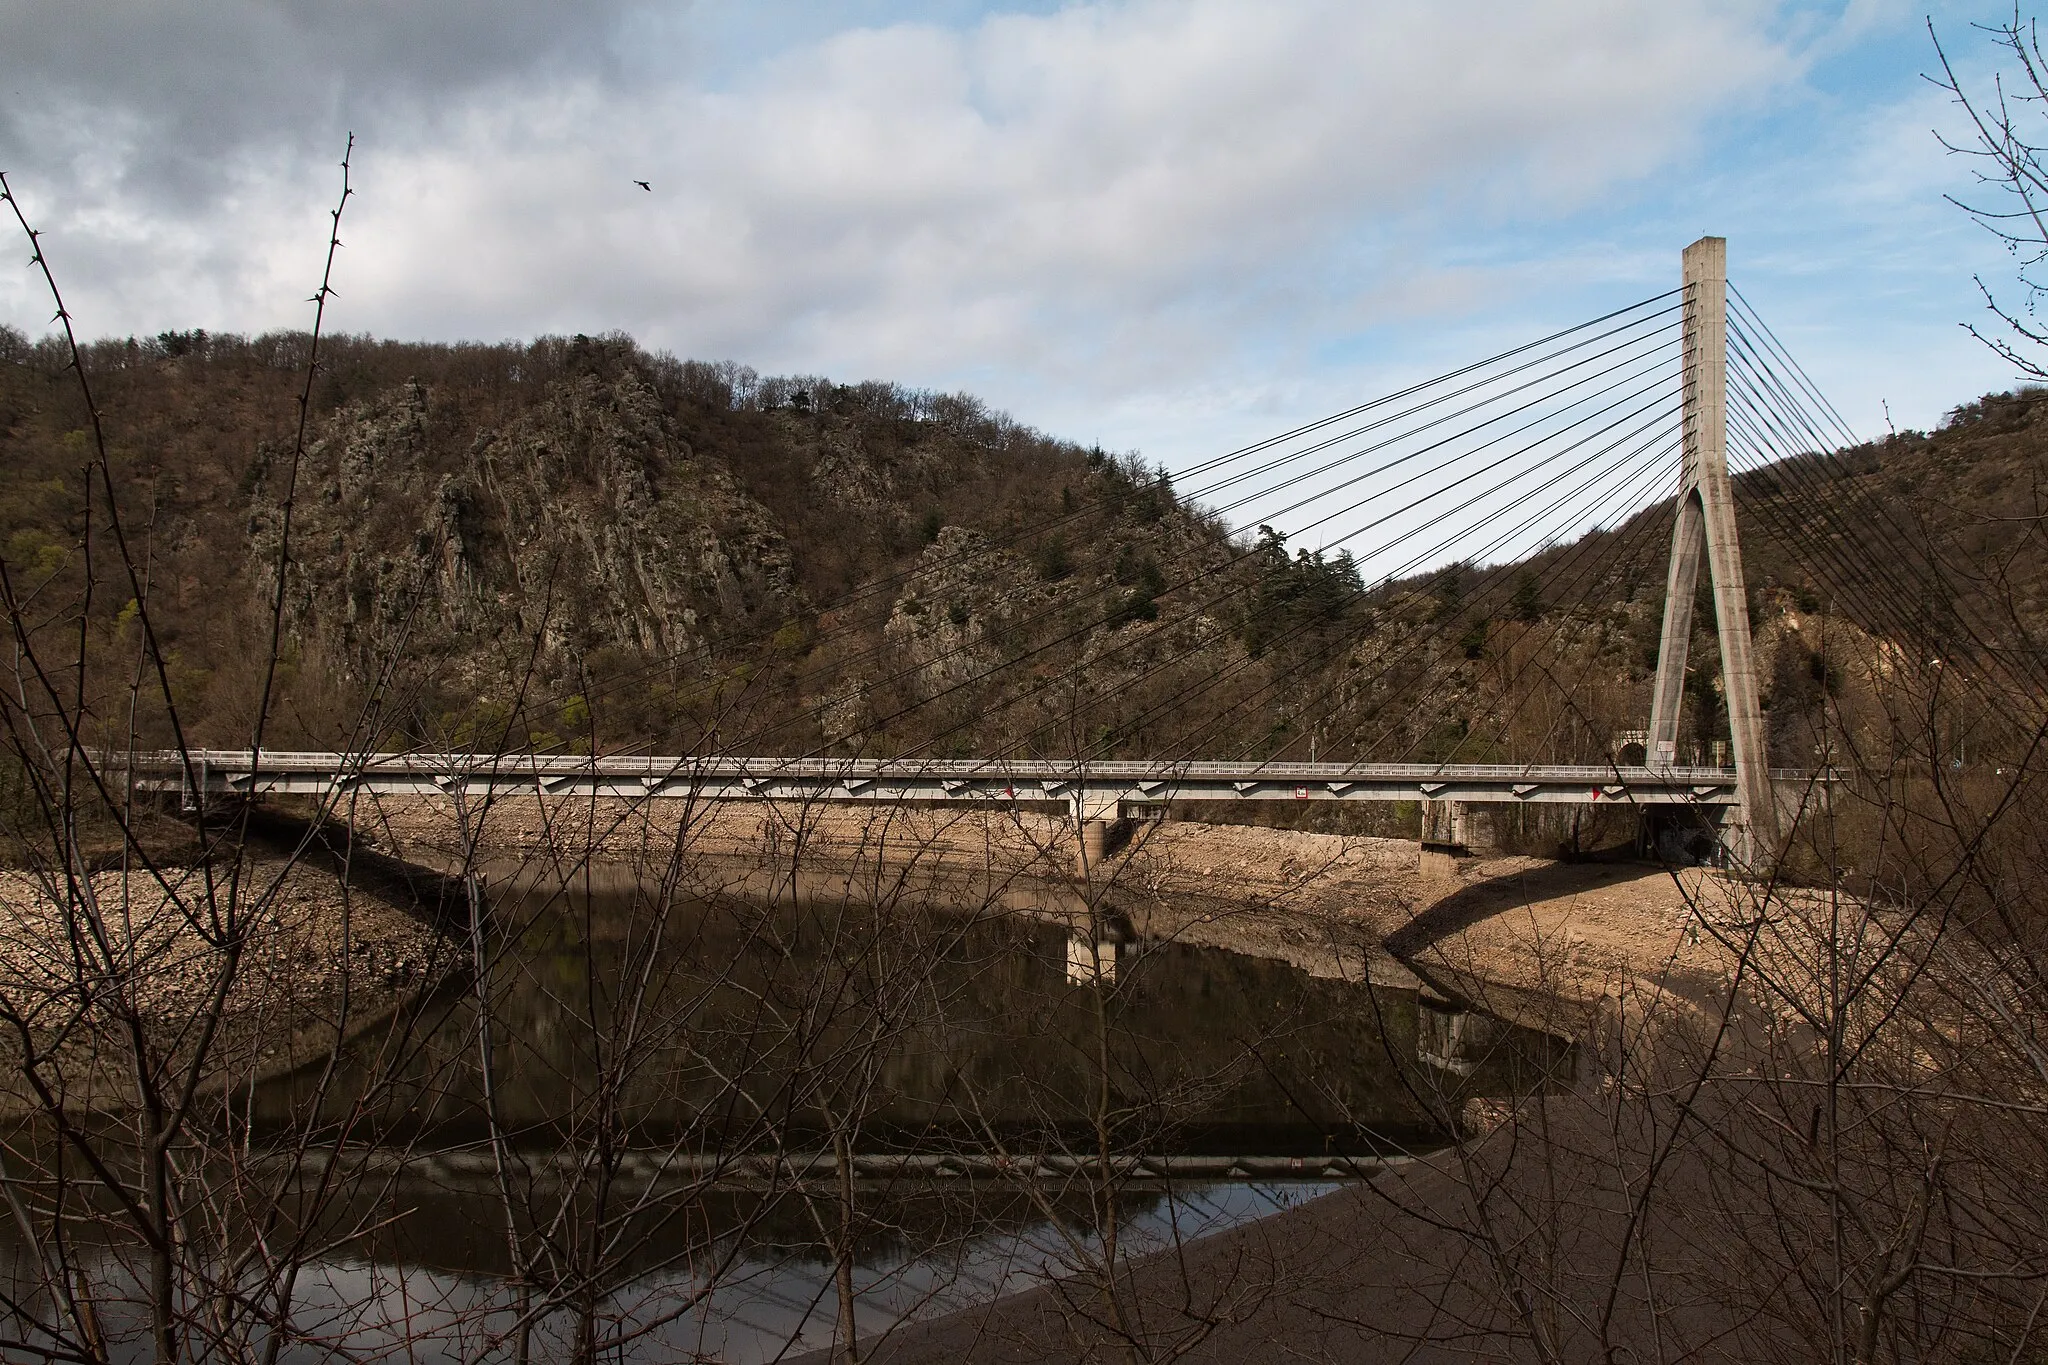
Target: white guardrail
{"points": [[1094, 787]]}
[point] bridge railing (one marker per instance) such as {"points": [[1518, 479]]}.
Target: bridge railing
{"points": [[1093, 787]]}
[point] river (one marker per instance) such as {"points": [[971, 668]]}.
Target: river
{"points": [[649, 1126]]}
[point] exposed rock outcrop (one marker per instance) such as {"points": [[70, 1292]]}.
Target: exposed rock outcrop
{"points": [[584, 524]]}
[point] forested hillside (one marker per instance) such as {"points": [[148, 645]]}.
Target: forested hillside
{"points": [[576, 543]]}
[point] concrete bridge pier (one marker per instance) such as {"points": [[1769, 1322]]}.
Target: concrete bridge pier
{"points": [[1446, 836], [1099, 821], [1094, 843]]}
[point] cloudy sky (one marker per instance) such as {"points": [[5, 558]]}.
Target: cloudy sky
{"points": [[1166, 225]]}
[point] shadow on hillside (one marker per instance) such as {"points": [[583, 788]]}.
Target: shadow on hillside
{"points": [[1471, 904]]}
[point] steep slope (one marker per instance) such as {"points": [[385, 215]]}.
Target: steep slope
{"points": [[479, 532], [576, 543]]}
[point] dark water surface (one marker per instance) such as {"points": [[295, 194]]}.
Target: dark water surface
{"points": [[689, 1125]]}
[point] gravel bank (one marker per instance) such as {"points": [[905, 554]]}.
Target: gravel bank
{"points": [[316, 957]]}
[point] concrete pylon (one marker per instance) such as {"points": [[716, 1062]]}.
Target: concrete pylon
{"points": [[1706, 510]]}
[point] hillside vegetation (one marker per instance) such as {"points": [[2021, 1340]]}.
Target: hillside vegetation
{"points": [[576, 543]]}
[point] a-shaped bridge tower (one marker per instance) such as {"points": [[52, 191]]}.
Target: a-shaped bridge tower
{"points": [[1706, 512]]}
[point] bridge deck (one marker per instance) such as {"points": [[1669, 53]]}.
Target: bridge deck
{"points": [[1095, 788]]}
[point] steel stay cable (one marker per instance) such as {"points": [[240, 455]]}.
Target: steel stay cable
{"points": [[1785, 420], [1788, 470], [1469, 431], [1410, 647], [1424, 385], [1800, 473], [1642, 482], [1840, 576], [1791, 533], [1418, 643], [1666, 343], [1775, 432], [1522, 450], [1446, 544], [1422, 528], [1208, 490], [1879, 603], [1630, 541], [1047, 683], [1796, 369], [1934, 586], [1644, 479], [1422, 642], [1419, 408], [1213, 570], [1363, 593], [1640, 493], [840, 665], [1431, 553]]}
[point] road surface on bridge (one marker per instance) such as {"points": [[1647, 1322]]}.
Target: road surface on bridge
{"points": [[1095, 789]]}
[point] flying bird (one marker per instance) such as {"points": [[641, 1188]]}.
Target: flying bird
{"points": [[645, 186]]}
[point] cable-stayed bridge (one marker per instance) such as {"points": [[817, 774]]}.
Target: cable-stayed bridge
{"points": [[1552, 453]]}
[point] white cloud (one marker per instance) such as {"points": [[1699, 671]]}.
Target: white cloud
{"points": [[1101, 197]]}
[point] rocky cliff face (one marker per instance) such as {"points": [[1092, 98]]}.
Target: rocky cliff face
{"points": [[584, 524], [477, 531], [963, 594]]}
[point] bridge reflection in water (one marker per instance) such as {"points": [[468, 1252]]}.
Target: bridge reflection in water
{"points": [[976, 1027], [1004, 1086]]}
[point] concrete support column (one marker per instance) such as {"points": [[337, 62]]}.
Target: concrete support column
{"points": [[1446, 822], [1706, 518], [1443, 837], [1094, 843], [1098, 820]]}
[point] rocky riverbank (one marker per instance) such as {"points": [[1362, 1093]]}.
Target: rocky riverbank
{"points": [[278, 959]]}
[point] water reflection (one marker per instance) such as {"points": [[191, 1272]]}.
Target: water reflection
{"points": [[773, 1302], [702, 1125], [718, 1028]]}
